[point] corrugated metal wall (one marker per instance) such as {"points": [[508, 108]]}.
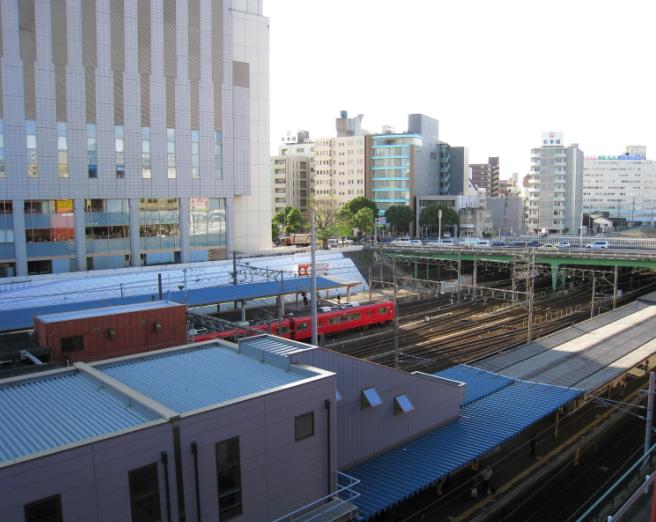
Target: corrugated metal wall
{"points": [[363, 433]]}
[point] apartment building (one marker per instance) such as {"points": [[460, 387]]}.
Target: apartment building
{"points": [[555, 186]]}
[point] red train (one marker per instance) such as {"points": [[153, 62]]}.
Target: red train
{"points": [[299, 328]]}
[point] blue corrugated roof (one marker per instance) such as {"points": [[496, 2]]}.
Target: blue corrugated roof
{"points": [[65, 408], [22, 318], [480, 383], [273, 344], [186, 380], [482, 425]]}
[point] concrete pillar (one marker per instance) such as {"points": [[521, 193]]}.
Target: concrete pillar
{"points": [[135, 239], [80, 235], [20, 245], [185, 251], [554, 276]]}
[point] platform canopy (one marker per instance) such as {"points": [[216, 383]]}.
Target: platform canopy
{"points": [[496, 410], [22, 318]]}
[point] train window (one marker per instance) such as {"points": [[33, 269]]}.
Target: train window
{"points": [[301, 326], [355, 317], [284, 329], [334, 320], [345, 318], [382, 310]]}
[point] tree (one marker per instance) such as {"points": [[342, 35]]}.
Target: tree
{"points": [[429, 217], [363, 220], [275, 231], [289, 220], [353, 206], [399, 217]]}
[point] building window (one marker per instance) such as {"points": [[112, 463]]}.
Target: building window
{"points": [[72, 344], [170, 153], [195, 154], [369, 398], [304, 426], [119, 148], [3, 172], [144, 494], [32, 163], [44, 510], [228, 470], [207, 225], [159, 224], [62, 150], [218, 159], [92, 156], [145, 153]]}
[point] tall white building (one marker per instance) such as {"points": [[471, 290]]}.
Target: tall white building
{"points": [[623, 185], [132, 132], [555, 186], [290, 182], [339, 169]]}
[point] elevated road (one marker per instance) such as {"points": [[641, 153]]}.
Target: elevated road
{"points": [[555, 259]]}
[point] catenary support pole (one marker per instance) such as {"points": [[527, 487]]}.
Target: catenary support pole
{"points": [[615, 277], [396, 317], [594, 290], [650, 412], [313, 280]]}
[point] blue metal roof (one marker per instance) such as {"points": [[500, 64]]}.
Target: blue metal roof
{"points": [[189, 379], [64, 408], [22, 318], [480, 383], [482, 425], [273, 344]]}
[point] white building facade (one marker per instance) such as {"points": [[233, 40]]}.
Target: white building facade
{"points": [[339, 169], [132, 133], [622, 185], [555, 186]]}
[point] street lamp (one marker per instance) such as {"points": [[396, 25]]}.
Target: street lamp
{"points": [[439, 229]]}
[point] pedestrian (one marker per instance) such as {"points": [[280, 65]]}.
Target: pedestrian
{"points": [[305, 300], [339, 299], [486, 475]]}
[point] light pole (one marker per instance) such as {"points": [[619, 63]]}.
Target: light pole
{"points": [[439, 229]]}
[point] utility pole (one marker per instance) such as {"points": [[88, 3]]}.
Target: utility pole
{"points": [[594, 289], [313, 280], [396, 317], [530, 291], [234, 272], [184, 271], [615, 277], [650, 412], [370, 282], [439, 219]]}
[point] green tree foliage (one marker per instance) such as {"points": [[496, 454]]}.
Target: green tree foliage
{"points": [[275, 231], [399, 217], [363, 220], [429, 217], [356, 204], [289, 220]]}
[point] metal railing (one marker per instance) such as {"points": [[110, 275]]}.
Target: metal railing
{"points": [[344, 495]]}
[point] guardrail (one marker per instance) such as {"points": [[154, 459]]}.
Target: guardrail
{"points": [[337, 501]]}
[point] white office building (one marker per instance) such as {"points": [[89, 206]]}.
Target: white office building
{"points": [[555, 186], [622, 185], [132, 133]]}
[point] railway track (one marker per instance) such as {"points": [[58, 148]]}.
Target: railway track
{"points": [[462, 333]]}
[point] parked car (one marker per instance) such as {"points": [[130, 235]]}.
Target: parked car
{"points": [[533, 244], [563, 245], [597, 245], [497, 243], [548, 246]]}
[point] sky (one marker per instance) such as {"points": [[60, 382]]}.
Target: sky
{"points": [[496, 74]]}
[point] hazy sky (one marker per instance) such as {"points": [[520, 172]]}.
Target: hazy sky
{"points": [[494, 73]]}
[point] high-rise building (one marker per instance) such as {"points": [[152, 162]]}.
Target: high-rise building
{"points": [[555, 186], [622, 185], [339, 169], [486, 175], [290, 182], [132, 133], [405, 165]]}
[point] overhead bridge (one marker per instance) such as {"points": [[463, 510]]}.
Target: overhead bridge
{"points": [[555, 259]]}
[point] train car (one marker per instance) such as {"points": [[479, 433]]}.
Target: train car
{"points": [[281, 329], [343, 320]]}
